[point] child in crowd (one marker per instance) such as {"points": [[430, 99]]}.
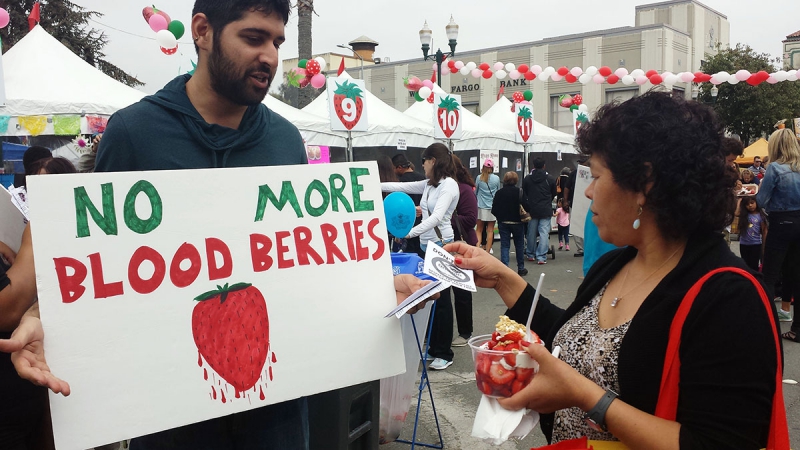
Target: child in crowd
{"points": [[752, 232], [562, 219]]}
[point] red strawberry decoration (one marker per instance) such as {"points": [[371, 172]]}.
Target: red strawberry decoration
{"points": [[448, 115], [430, 98], [577, 99], [348, 103], [580, 119], [412, 83], [518, 97], [231, 330], [525, 127], [313, 67]]}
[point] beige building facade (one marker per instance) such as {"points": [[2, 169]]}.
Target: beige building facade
{"points": [[791, 51]]}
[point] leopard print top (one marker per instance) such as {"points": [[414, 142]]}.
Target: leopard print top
{"points": [[592, 351]]}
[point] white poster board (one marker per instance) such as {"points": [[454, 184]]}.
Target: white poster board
{"points": [[523, 133], [122, 257], [580, 204], [12, 222], [347, 104], [494, 155], [447, 117]]}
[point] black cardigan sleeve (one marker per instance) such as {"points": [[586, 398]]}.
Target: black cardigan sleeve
{"points": [[545, 316]]}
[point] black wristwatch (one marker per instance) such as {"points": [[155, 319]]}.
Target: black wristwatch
{"points": [[596, 417]]}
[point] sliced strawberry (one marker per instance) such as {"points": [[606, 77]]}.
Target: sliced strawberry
{"points": [[499, 348], [515, 336], [483, 365], [485, 388], [500, 375], [491, 344], [495, 335], [511, 359], [523, 374], [516, 386]]}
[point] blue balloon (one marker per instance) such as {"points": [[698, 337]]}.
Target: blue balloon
{"points": [[400, 213]]}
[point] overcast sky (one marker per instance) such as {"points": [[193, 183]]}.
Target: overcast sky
{"points": [[395, 25]]}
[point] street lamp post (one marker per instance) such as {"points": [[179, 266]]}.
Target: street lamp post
{"points": [[355, 53], [714, 93], [425, 35]]}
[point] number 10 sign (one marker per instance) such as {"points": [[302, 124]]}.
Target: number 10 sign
{"points": [[447, 116], [347, 103]]}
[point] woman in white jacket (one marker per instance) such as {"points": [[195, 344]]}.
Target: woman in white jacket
{"points": [[439, 199]]}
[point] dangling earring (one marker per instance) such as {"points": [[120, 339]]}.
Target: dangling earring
{"points": [[637, 223]]}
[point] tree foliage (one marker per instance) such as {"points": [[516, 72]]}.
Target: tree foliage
{"points": [[68, 23], [750, 111]]}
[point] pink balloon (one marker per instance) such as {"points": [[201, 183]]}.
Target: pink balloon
{"points": [[514, 74], [598, 79], [158, 22], [556, 77], [476, 73], [498, 66], [641, 79], [318, 80], [4, 18], [536, 69], [772, 79], [428, 83]]}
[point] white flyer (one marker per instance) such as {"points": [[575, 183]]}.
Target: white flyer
{"points": [[417, 297], [441, 265]]}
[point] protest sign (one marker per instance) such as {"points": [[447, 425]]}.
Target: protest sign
{"points": [[580, 204], [172, 297]]}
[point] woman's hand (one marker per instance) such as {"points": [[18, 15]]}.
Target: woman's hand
{"points": [[405, 285], [489, 271], [7, 253], [556, 386]]}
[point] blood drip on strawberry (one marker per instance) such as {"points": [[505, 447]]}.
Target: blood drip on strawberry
{"points": [[260, 393]]}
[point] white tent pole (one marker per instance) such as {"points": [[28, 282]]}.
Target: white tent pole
{"points": [[349, 146]]}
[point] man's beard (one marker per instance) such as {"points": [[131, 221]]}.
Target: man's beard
{"points": [[232, 83]]}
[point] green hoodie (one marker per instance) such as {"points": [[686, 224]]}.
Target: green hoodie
{"points": [[164, 132]]}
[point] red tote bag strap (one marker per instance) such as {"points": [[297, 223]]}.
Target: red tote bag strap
{"points": [[667, 406]]}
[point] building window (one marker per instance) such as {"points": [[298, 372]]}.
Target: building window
{"points": [[620, 95], [560, 118]]}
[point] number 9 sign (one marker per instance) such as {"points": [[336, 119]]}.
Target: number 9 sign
{"points": [[447, 116], [347, 104]]}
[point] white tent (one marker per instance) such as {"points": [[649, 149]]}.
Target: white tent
{"points": [[545, 139], [386, 124], [479, 134], [43, 77], [315, 130]]}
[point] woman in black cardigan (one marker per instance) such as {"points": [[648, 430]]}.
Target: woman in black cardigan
{"points": [[614, 336]]}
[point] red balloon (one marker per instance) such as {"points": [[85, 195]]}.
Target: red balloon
{"points": [[656, 79], [518, 97], [752, 81], [762, 75], [453, 70], [451, 64], [612, 79], [570, 78], [650, 73], [523, 68], [484, 66], [530, 76], [563, 71], [487, 74], [604, 71]]}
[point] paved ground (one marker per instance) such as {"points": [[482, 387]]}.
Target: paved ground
{"points": [[456, 396]]}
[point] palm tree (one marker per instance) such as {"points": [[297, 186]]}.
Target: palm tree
{"points": [[305, 8]]}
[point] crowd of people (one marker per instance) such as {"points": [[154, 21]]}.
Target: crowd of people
{"points": [[663, 194]]}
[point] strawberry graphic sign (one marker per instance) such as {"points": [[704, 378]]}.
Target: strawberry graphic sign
{"points": [[578, 119], [524, 118], [347, 104], [447, 116]]}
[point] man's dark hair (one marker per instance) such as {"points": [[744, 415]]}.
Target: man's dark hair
{"points": [[222, 12], [400, 160], [732, 146], [54, 166], [538, 163], [32, 156]]}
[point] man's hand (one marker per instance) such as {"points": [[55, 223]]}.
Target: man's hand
{"points": [[405, 285], [27, 354]]}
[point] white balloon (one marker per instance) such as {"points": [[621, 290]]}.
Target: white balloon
{"points": [[621, 72], [536, 69], [598, 79], [627, 80], [166, 39], [549, 70], [510, 67], [591, 71], [465, 70], [742, 75], [576, 71], [733, 80], [671, 79], [636, 73], [500, 74], [791, 75], [425, 92], [781, 75], [471, 65], [514, 74], [641, 79], [583, 108], [476, 73], [585, 78], [459, 65], [322, 62]]}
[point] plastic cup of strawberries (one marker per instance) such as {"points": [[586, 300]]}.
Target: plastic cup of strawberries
{"points": [[502, 366]]}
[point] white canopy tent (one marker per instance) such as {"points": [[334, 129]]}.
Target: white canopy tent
{"points": [[545, 139], [43, 77], [386, 125], [479, 134], [315, 130]]}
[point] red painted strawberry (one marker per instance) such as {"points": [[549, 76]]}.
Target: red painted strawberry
{"points": [[231, 330], [348, 103], [412, 83], [448, 115], [580, 119], [577, 99], [500, 375], [525, 124]]}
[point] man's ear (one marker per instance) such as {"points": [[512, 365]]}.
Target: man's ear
{"points": [[202, 33]]}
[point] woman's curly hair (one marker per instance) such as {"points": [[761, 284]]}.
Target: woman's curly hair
{"points": [[675, 145]]}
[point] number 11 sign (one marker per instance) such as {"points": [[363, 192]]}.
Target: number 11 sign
{"points": [[347, 103], [447, 116]]}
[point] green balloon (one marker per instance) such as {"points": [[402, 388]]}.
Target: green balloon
{"points": [[302, 63], [176, 28], [417, 97], [528, 95], [573, 107]]}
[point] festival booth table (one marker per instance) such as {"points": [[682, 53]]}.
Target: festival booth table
{"points": [[480, 139], [389, 131], [546, 142], [757, 148]]}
